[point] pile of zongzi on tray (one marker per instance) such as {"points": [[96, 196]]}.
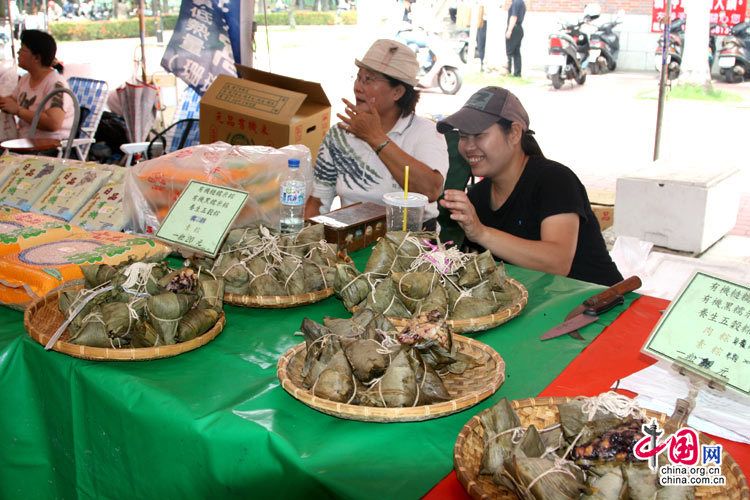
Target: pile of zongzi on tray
{"points": [[365, 361], [408, 274], [588, 455], [141, 305], [259, 261]]}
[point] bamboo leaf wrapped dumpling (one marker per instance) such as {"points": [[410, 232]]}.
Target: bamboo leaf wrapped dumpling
{"points": [[477, 269], [165, 311], [93, 331], [195, 323], [351, 286], [384, 300], [437, 300], [335, 382], [367, 359], [567, 483], [398, 386], [291, 275], [382, 259], [472, 307], [210, 292], [429, 385]]}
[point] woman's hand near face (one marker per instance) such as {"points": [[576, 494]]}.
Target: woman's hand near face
{"points": [[364, 122], [463, 212]]}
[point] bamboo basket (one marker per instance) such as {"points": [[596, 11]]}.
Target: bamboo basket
{"points": [[43, 318], [481, 323], [277, 301], [542, 412], [467, 389]]}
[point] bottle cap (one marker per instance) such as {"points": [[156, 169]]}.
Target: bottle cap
{"points": [[293, 163]]}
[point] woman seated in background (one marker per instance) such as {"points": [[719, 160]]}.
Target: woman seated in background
{"points": [[37, 56], [528, 210], [364, 156]]}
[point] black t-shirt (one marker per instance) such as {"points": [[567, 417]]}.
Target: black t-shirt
{"points": [[548, 188], [518, 9]]}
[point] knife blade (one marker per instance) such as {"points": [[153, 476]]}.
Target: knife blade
{"points": [[591, 308]]}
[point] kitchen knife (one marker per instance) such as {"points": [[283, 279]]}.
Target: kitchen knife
{"points": [[589, 311]]}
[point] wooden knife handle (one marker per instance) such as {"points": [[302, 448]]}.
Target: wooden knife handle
{"points": [[608, 295]]}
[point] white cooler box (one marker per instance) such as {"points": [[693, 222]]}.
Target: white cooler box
{"points": [[686, 209]]}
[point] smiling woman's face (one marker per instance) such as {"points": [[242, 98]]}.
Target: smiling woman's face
{"points": [[370, 84], [487, 152]]}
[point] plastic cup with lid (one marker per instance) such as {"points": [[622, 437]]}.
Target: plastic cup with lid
{"points": [[396, 205]]}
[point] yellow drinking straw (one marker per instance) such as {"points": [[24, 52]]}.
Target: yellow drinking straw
{"points": [[406, 195]]}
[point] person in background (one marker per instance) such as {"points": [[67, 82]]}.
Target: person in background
{"points": [[514, 35], [481, 36], [37, 56], [527, 210], [363, 157], [54, 11]]}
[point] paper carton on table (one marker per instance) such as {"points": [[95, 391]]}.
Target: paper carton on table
{"points": [[265, 109]]}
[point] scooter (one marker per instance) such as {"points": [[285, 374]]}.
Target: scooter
{"points": [[438, 63], [568, 55], [734, 56], [605, 47], [674, 49]]}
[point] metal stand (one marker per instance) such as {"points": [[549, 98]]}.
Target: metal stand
{"points": [[685, 406]]}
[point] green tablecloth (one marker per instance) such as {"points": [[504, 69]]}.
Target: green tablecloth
{"points": [[215, 423]]}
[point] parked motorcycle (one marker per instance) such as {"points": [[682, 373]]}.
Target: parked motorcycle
{"points": [[605, 47], [734, 56], [568, 55], [438, 62], [674, 49]]}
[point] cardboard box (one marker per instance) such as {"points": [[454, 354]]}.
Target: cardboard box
{"points": [[266, 109], [677, 206], [354, 226], [603, 205]]}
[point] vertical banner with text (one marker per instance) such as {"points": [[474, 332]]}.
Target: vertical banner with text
{"points": [[205, 43]]}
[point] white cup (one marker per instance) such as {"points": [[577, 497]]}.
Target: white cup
{"points": [[396, 205]]}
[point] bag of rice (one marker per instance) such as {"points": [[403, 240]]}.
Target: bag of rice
{"points": [[104, 210], [20, 230], [70, 191], [28, 182], [39, 269], [151, 187]]}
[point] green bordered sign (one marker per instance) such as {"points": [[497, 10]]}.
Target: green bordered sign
{"points": [[706, 330], [201, 217]]}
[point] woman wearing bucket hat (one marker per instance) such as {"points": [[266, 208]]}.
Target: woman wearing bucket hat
{"points": [[528, 210], [363, 157]]}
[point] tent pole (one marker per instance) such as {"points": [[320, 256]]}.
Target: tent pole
{"points": [[663, 78], [142, 27]]}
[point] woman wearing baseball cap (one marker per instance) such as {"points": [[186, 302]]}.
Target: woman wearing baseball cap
{"points": [[528, 210], [363, 157]]}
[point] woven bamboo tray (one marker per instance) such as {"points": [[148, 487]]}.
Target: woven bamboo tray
{"points": [[277, 301], [542, 412], [482, 323], [467, 389], [43, 318]]}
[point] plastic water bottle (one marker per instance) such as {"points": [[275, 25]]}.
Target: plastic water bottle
{"points": [[292, 196]]}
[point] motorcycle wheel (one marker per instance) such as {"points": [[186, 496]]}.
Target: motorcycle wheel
{"points": [[673, 73], [611, 65], [594, 67], [557, 81], [731, 77], [464, 52], [581, 78], [449, 80]]}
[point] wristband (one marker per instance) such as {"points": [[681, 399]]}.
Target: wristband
{"points": [[381, 146]]}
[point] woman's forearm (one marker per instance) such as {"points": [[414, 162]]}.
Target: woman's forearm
{"points": [[422, 178]]}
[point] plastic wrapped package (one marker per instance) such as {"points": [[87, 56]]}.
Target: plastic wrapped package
{"points": [[70, 191], [8, 163], [104, 210], [41, 268], [151, 187], [29, 181], [20, 230]]}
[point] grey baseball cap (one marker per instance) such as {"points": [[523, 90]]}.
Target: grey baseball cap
{"points": [[485, 107]]}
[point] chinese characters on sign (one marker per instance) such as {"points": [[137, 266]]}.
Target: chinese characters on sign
{"points": [[201, 217], [707, 330], [724, 13], [200, 48]]}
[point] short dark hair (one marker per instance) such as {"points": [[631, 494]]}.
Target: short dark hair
{"points": [[40, 44], [408, 102], [528, 141]]}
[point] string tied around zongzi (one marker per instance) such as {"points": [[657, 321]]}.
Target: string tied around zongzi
{"points": [[561, 467], [136, 277], [611, 402]]}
